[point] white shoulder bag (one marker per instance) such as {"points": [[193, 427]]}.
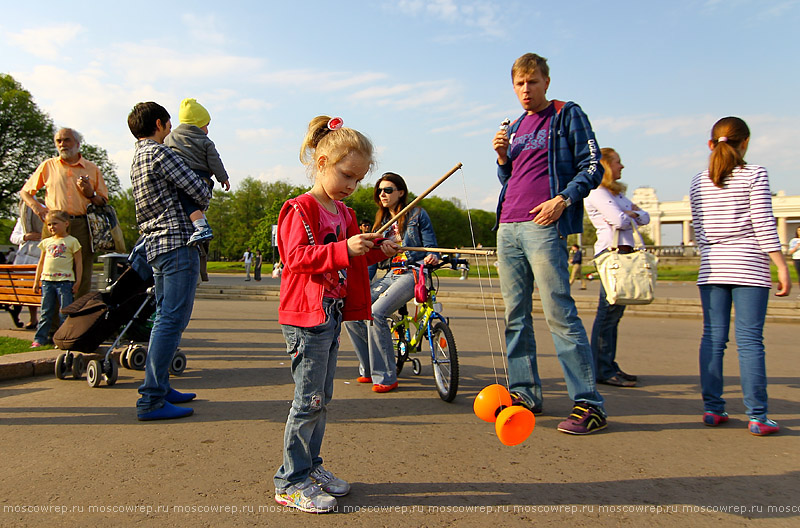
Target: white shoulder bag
{"points": [[628, 278]]}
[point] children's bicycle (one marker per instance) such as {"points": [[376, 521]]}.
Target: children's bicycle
{"points": [[427, 325]]}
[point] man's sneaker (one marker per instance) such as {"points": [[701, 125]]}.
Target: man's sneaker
{"points": [[585, 419], [517, 399], [200, 235], [329, 483], [713, 419], [306, 496], [763, 426]]}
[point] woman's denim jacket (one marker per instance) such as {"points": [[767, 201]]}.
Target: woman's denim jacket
{"points": [[419, 233]]}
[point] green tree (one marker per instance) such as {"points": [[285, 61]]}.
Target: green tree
{"points": [[277, 194], [26, 139], [362, 203], [125, 207], [99, 156]]}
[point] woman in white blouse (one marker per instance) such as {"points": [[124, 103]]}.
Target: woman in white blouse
{"points": [[610, 211], [735, 229]]}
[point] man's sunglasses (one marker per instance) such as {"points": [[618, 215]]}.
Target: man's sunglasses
{"points": [[386, 190]]}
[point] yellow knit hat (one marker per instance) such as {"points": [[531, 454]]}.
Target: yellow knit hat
{"points": [[193, 113]]}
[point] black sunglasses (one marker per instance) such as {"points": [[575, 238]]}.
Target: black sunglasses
{"points": [[387, 190]]}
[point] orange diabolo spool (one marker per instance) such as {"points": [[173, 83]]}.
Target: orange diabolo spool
{"points": [[490, 401], [514, 425]]}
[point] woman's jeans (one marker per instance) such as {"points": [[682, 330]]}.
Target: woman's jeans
{"points": [[54, 293], [373, 341], [314, 353], [751, 309], [604, 336], [528, 251], [175, 273]]}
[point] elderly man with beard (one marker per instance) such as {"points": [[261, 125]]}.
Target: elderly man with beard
{"points": [[72, 183]]}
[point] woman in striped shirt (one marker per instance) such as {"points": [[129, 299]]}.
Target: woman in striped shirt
{"points": [[735, 231]]}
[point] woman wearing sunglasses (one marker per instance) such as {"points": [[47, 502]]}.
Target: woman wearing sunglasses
{"points": [[373, 343]]}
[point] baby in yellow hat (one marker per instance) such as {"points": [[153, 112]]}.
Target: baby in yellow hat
{"points": [[191, 142]]}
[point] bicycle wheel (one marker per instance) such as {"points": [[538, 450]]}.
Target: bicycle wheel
{"points": [[399, 341], [444, 358]]}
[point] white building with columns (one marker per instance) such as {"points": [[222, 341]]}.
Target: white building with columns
{"points": [[785, 208]]}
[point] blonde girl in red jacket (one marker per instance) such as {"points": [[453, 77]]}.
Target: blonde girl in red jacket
{"points": [[324, 282]]}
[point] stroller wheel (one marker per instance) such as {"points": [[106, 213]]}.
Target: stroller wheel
{"points": [[61, 366], [111, 372], [77, 365], [94, 371], [137, 357], [178, 364], [123, 359]]}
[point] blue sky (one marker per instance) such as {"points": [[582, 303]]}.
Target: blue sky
{"points": [[427, 81]]}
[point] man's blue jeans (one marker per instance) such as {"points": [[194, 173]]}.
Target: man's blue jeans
{"points": [[373, 341], [604, 336], [528, 251], [175, 273], [54, 293], [751, 310], [314, 353]]}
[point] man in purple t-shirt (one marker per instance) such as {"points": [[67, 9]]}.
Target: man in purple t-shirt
{"points": [[548, 161]]}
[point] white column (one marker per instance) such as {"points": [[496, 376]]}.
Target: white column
{"points": [[782, 230]]}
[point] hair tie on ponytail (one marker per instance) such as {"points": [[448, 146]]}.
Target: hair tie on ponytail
{"points": [[722, 139], [335, 123]]}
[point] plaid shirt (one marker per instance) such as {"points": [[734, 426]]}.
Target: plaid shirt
{"points": [[157, 174]]}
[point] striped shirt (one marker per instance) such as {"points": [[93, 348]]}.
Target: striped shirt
{"points": [[734, 227], [157, 174]]}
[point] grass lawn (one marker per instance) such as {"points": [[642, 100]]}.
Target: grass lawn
{"points": [[12, 345]]}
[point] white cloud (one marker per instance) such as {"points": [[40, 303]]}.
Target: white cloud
{"points": [[294, 174], [404, 96], [148, 63], [482, 16], [652, 125], [320, 81], [203, 28], [250, 104], [259, 134], [47, 42]]}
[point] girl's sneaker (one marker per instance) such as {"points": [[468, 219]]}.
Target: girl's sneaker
{"points": [[713, 419], [763, 426], [306, 496]]}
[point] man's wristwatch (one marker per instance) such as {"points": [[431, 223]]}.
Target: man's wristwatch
{"points": [[567, 200]]}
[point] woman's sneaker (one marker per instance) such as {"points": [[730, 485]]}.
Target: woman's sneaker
{"points": [[585, 419], [329, 483], [713, 419], [763, 426], [307, 497]]}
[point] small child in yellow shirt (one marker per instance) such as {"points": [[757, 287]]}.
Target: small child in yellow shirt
{"points": [[58, 274]]}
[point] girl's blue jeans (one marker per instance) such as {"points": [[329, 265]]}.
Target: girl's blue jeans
{"points": [[314, 353], [751, 309], [54, 293]]}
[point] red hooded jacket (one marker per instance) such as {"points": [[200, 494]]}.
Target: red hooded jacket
{"points": [[304, 262]]}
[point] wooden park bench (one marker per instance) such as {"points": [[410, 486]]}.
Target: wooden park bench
{"points": [[16, 289]]}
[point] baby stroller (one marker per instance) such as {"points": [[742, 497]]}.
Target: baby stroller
{"points": [[95, 317]]}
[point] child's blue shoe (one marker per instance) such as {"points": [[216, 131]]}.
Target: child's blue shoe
{"points": [[174, 396], [167, 412], [203, 234]]}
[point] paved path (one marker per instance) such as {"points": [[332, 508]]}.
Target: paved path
{"points": [[413, 460]]}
